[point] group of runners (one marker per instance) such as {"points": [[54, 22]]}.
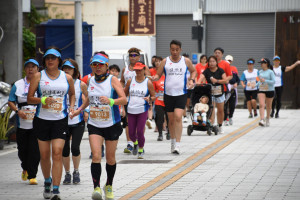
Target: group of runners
{"points": [[54, 104]]}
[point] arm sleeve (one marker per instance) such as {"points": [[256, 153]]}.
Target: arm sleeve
{"points": [[243, 77], [12, 94], [272, 78]]}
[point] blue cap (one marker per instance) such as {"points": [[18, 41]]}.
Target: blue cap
{"points": [[31, 61], [69, 64], [100, 59], [276, 58], [53, 52], [250, 62]]}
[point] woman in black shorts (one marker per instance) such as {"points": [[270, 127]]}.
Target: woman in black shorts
{"points": [[248, 81]]}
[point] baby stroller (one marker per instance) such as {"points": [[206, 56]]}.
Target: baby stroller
{"points": [[198, 92]]}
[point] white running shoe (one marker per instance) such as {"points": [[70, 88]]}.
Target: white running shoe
{"points": [[267, 122], [261, 122], [185, 120], [177, 150], [230, 121], [221, 131], [172, 148], [226, 123]]}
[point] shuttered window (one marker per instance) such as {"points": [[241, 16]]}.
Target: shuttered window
{"points": [[179, 27]]}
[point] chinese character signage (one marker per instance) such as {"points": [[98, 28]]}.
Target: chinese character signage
{"points": [[141, 17]]}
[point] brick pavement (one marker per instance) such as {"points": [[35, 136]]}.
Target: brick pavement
{"points": [[263, 164]]}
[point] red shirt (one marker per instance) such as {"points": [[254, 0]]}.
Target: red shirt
{"points": [[159, 87], [86, 78], [234, 69], [153, 71], [200, 69]]}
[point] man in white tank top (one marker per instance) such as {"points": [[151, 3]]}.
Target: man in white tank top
{"points": [[175, 68]]}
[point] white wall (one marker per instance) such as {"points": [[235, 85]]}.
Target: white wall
{"points": [[104, 14]]}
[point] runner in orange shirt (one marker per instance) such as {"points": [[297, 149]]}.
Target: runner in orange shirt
{"points": [[200, 67], [160, 107]]}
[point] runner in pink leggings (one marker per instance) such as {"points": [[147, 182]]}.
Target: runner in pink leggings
{"points": [[140, 92]]}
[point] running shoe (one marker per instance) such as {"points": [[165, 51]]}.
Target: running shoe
{"points": [[226, 122], [261, 123], [168, 137], [250, 115], [128, 149], [109, 195], [24, 175], [203, 123], [76, 177], [67, 180], [135, 149], [230, 121], [185, 119], [267, 122], [33, 181], [55, 195], [47, 190], [255, 113], [172, 148], [177, 150], [160, 138], [141, 155], [276, 115], [221, 130], [195, 123], [97, 194], [148, 123]]}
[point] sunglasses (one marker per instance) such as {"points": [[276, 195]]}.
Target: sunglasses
{"points": [[97, 64], [133, 55], [50, 57]]}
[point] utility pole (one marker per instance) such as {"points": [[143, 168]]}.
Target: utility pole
{"points": [[78, 36]]}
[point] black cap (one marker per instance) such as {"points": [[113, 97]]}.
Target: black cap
{"points": [[264, 60]]}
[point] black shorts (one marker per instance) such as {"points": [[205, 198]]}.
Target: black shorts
{"points": [[46, 130], [189, 93], [109, 133], [173, 102], [250, 94], [269, 94]]}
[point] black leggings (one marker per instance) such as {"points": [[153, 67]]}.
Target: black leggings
{"points": [[277, 99], [28, 151], [77, 132], [160, 112], [229, 107]]}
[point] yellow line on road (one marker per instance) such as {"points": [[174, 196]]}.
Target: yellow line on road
{"points": [[189, 159]]}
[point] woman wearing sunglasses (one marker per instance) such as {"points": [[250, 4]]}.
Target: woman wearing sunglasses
{"points": [[105, 94], [266, 82], [51, 118]]}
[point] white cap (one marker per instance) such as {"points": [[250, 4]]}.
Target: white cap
{"points": [[229, 57]]}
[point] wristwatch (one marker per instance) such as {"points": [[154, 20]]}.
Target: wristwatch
{"points": [[17, 111]]}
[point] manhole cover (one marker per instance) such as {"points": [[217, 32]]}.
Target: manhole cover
{"points": [[142, 161]]}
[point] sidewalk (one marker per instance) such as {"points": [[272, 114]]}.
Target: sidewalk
{"points": [[262, 164]]}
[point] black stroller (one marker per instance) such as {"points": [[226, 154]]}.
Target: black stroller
{"points": [[198, 92]]}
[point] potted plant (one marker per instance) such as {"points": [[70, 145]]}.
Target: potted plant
{"points": [[4, 119]]}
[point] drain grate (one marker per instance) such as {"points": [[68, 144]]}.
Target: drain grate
{"points": [[142, 161]]}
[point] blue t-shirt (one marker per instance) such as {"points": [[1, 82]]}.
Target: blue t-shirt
{"points": [[268, 84]]}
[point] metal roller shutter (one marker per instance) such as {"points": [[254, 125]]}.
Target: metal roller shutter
{"points": [[242, 36], [179, 27]]}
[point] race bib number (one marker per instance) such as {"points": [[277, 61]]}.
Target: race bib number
{"points": [[216, 90], [55, 107], [263, 87], [29, 114], [252, 84], [160, 96], [100, 113]]}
